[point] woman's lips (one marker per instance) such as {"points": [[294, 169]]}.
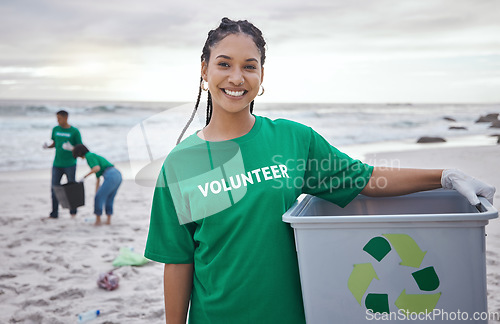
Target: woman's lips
{"points": [[234, 93]]}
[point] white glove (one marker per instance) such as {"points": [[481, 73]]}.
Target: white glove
{"points": [[468, 186], [67, 146], [82, 179], [45, 145]]}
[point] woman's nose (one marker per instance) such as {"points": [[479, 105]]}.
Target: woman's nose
{"points": [[236, 77]]}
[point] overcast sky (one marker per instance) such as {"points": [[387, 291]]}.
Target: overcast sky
{"points": [[318, 51]]}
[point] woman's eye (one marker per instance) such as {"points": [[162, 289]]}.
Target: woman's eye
{"points": [[250, 67], [223, 64]]}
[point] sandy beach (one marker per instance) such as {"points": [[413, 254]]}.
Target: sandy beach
{"points": [[49, 268]]}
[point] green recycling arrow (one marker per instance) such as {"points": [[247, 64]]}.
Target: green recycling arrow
{"points": [[377, 303], [417, 303], [410, 253], [426, 279], [377, 247], [360, 279]]}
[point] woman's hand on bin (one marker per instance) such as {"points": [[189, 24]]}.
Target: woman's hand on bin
{"points": [[468, 186]]}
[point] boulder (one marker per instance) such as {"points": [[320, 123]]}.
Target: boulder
{"points": [[495, 124], [488, 118], [450, 119], [458, 127], [497, 136], [429, 139]]}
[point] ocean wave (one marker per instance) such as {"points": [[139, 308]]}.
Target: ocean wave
{"points": [[29, 108], [106, 127], [22, 110], [36, 110]]}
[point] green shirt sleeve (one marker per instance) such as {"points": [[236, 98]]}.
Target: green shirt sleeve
{"points": [[168, 241], [53, 137], [77, 137], [91, 160], [94, 159], [333, 175]]}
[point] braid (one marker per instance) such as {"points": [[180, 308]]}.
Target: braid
{"points": [[251, 106], [228, 27], [209, 108], [192, 114]]}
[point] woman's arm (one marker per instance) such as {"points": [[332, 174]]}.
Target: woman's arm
{"points": [[93, 170], [177, 284], [97, 183], [395, 181]]}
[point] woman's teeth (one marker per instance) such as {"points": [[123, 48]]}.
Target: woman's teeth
{"points": [[234, 93]]}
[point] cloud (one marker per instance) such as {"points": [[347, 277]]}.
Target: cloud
{"points": [[43, 25], [159, 39], [109, 23], [387, 25]]}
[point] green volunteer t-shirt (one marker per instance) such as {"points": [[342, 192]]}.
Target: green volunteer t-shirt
{"points": [[229, 197], [94, 159], [60, 136]]}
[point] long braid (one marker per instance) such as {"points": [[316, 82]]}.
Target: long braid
{"points": [[251, 106], [209, 108], [192, 114]]}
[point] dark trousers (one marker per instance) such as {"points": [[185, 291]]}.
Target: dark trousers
{"points": [[57, 174]]}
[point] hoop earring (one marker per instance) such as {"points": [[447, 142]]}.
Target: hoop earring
{"points": [[263, 90], [202, 84]]}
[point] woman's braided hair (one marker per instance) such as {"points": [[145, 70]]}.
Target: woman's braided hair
{"points": [[226, 27]]}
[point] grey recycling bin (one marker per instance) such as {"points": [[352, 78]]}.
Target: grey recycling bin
{"points": [[418, 257]]}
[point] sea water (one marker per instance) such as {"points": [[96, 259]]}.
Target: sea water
{"points": [[111, 129]]}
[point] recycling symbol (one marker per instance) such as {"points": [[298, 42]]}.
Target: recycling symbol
{"points": [[412, 256]]}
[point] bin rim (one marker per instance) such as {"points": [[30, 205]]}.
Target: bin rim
{"points": [[485, 212]]}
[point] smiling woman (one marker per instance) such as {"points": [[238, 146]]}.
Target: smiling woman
{"points": [[220, 195], [234, 79], [227, 73]]}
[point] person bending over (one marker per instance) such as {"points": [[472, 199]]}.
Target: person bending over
{"points": [[106, 193]]}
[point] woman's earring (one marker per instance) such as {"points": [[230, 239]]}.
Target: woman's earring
{"points": [[260, 94], [202, 85]]}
